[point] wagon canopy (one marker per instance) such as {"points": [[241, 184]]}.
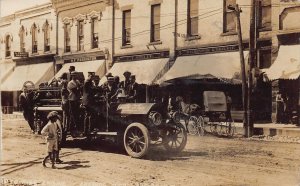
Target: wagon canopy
{"points": [[222, 66], [145, 71]]}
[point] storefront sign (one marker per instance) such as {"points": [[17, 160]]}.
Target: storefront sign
{"points": [[21, 54], [207, 50], [138, 57], [83, 59]]}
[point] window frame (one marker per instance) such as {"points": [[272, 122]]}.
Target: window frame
{"points": [[95, 43], [80, 35], [22, 39], [226, 11], [126, 38], [190, 19], [34, 35], [261, 6], [153, 25], [46, 37], [67, 37], [7, 46]]}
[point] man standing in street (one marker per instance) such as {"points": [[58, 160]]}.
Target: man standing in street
{"points": [[74, 100]]}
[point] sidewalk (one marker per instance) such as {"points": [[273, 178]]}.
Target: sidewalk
{"points": [[272, 129], [15, 115]]}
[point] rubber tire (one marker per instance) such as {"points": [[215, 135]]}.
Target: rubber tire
{"points": [[145, 133]]}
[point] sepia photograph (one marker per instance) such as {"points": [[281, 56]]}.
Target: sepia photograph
{"points": [[150, 92]]}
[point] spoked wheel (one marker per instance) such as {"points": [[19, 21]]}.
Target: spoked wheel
{"points": [[192, 125], [230, 128], [175, 138], [201, 126], [136, 140], [213, 127]]}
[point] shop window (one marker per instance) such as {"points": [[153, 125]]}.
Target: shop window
{"points": [[155, 23], [34, 38], [126, 33], [80, 35], [22, 39], [264, 15], [67, 37], [46, 37], [8, 46], [95, 38], [229, 17], [192, 19], [264, 58]]}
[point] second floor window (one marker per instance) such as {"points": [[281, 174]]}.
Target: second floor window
{"points": [[264, 15], [46, 37], [34, 39], [126, 33], [155, 23], [229, 18], [22, 39], [80, 35], [95, 37], [7, 46], [67, 38], [192, 19]]}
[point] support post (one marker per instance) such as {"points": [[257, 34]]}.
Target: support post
{"points": [[242, 61]]}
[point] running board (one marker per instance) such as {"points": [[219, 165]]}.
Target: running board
{"points": [[106, 133]]}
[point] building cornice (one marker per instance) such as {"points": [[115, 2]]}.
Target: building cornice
{"points": [[62, 5]]}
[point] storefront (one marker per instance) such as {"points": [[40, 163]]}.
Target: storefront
{"points": [[284, 75], [13, 84]]}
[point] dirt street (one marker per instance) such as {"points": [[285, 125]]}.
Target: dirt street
{"points": [[205, 161]]}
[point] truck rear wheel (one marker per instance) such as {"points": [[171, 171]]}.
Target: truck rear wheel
{"points": [[136, 140]]}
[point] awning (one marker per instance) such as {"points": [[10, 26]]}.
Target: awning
{"points": [[5, 70], [221, 65], [145, 71], [37, 73], [97, 66], [287, 63]]}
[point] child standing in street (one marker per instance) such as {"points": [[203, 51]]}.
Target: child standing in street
{"points": [[50, 131]]}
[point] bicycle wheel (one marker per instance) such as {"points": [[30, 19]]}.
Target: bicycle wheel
{"points": [[192, 125], [201, 126], [230, 128]]}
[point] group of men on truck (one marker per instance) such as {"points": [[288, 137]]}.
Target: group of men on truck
{"points": [[95, 99]]}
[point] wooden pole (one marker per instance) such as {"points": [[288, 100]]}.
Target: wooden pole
{"points": [[252, 45], [242, 61]]}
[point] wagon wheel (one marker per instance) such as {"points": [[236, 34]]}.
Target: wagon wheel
{"points": [[192, 125], [175, 138], [201, 126], [136, 140], [230, 128]]}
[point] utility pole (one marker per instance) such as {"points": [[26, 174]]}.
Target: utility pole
{"points": [[252, 54], [237, 11]]}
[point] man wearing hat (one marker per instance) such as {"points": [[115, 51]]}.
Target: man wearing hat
{"points": [[88, 101], [126, 83], [111, 89], [133, 90], [74, 100], [105, 84]]}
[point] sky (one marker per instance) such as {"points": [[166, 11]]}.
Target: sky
{"points": [[8, 7]]}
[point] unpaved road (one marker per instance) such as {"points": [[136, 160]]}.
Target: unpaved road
{"points": [[205, 161]]}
